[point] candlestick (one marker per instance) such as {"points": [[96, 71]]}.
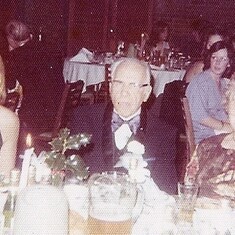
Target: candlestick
{"points": [[28, 140], [26, 163], [142, 44]]}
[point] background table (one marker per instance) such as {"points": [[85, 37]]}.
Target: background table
{"points": [[162, 77], [90, 73], [93, 74]]}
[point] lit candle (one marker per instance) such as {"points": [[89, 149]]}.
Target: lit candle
{"points": [[26, 162], [142, 44]]}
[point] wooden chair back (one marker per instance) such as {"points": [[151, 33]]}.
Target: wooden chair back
{"points": [[102, 91], [70, 99], [190, 139]]}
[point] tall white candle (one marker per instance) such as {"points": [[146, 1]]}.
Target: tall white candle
{"points": [[26, 162]]}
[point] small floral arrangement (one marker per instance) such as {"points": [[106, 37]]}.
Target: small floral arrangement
{"points": [[57, 160], [136, 147], [133, 161]]}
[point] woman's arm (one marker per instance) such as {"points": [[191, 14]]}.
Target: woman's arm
{"points": [[9, 128], [224, 126], [217, 124]]}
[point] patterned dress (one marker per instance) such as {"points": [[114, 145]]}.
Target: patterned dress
{"points": [[213, 168]]}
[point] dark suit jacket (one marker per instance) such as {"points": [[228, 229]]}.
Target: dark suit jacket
{"points": [[157, 137]]}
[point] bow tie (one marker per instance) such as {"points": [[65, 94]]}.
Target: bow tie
{"points": [[133, 123]]}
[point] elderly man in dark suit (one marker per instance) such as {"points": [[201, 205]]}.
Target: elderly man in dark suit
{"points": [[128, 117]]}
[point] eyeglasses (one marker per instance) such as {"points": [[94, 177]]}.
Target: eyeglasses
{"points": [[220, 59], [117, 84]]}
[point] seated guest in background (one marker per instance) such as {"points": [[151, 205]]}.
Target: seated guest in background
{"points": [[129, 89], [212, 36], [9, 131], [28, 64], [159, 39], [205, 92], [192, 43], [232, 40], [213, 164]]}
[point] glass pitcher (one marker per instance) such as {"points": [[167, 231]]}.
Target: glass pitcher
{"points": [[112, 202]]}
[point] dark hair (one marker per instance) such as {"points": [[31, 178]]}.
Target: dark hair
{"points": [[158, 29], [18, 30], [210, 32], [216, 47]]}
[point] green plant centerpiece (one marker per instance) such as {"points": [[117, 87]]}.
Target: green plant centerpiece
{"points": [[60, 163]]}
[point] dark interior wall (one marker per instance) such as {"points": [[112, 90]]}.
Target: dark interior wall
{"points": [[50, 19], [180, 13], [54, 18], [93, 24], [9, 9]]}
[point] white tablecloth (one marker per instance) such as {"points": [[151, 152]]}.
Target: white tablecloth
{"points": [[93, 74], [162, 77]]}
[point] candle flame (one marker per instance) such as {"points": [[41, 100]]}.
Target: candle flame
{"points": [[29, 140]]}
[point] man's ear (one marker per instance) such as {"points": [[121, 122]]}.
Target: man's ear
{"points": [[147, 93]]}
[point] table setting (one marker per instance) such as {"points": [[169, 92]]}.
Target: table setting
{"points": [[71, 201], [90, 67], [76, 196]]}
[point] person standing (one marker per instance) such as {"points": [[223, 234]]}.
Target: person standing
{"points": [[26, 63]]}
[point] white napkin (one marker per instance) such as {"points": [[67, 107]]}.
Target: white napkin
{"points": [[122, 135], [41, 166], [155, 67], [83, 55]]}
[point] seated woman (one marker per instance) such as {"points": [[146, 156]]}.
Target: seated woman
{"points": [[9, 131], [206, 91], [212, 36], [160, 39], [213, 164]]}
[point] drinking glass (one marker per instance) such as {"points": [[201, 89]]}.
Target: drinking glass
{"points": [[187, 198], [112, 200]]}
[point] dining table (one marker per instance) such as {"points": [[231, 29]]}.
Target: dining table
{"points": [[161, 214], [94, 73], [157, 212]]}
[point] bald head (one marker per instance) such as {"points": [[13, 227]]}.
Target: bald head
{"points": [[130, 85]]}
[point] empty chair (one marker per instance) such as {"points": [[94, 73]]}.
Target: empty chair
{"points": [[188, 127], [171, 110], [70, 99]]}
